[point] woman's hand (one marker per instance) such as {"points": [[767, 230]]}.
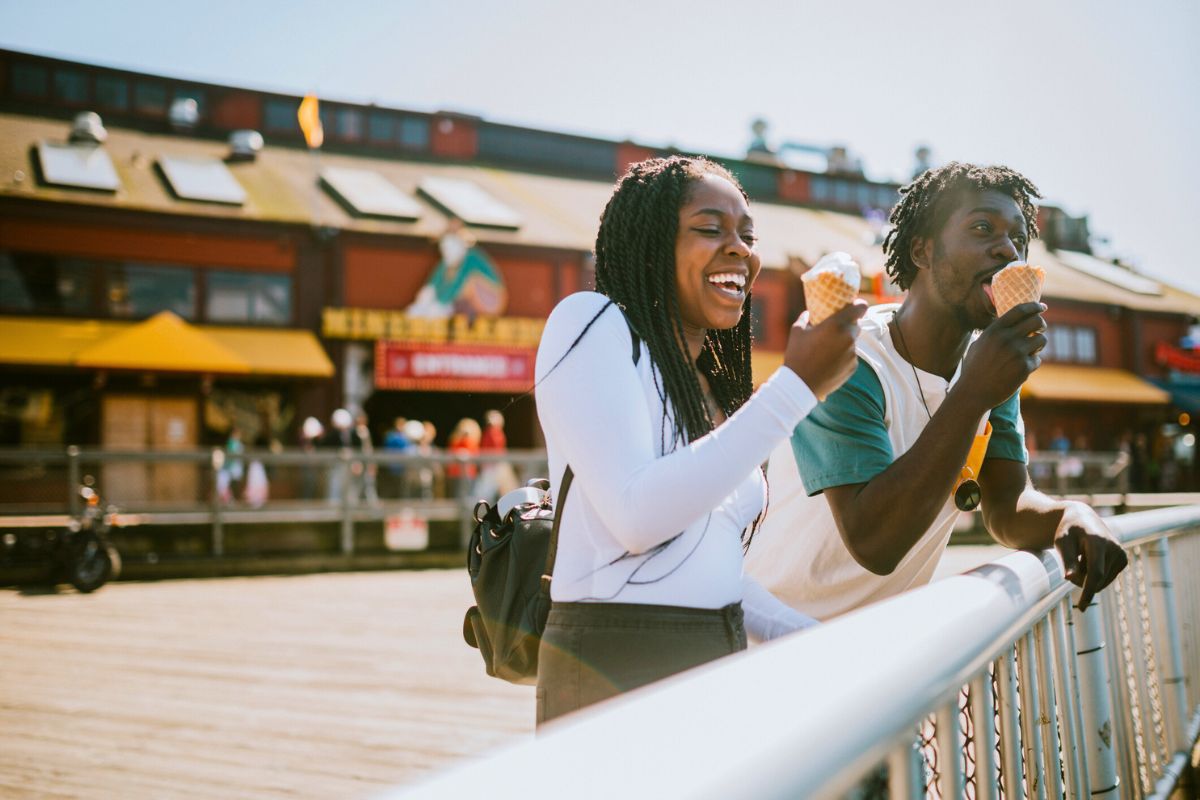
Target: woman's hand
{"points": [[823, 356]]}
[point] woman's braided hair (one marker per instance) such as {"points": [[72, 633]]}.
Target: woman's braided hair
{"points": [[635, 268], [927, 202]]}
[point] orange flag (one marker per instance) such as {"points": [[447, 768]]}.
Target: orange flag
{"points": [[310, 121]]}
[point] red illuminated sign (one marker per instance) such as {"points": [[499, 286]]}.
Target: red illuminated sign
{"points": [[453, 368]]}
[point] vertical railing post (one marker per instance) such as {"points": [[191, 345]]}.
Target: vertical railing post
{"points": [[983, 716], [1010, 730], [1031, 729], [1048, 699], [216, 463], [950, 755], [73, 480], [905, 768], [1067, 691], [1092, 662], [347, 519], [466, 522], [1169, 634]]}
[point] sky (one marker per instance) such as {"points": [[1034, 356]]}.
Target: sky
{"points": [[1097, 101]]}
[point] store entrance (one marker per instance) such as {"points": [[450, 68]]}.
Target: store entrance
{"points": [[148, 422], [445, 409]]}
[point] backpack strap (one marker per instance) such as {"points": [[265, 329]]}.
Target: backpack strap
{"points": [[568, 475], [552, 549]]}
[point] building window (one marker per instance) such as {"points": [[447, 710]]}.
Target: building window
{"points": [[71, 86], [381, 127], [249, 297], [414, 133], [150, 98], [1071, 344], [349, 125], [142, 290], [1085, 345], [820, 189], [43, 284], [112, 92], [280, 115], [30, 80]]}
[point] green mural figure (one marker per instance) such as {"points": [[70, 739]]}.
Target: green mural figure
{"points": [[465, 281]]}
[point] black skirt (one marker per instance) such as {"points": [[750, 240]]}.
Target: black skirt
{"points": [[593, 651]]}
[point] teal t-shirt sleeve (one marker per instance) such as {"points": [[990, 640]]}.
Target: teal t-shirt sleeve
{"points": [[844, 440], [1008, 431]]}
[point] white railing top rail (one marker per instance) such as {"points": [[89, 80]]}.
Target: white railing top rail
{"points": [[800, 717]]}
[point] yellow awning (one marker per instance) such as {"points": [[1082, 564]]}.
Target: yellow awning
{"points": [[50, 342], [1063, 382], [276, 352], [163, 343], [763, 364]]}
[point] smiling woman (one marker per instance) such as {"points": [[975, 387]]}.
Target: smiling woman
{"points": [[665, 446]]}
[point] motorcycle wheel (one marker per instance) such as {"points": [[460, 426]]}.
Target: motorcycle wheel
{"points": [[91, 563]]}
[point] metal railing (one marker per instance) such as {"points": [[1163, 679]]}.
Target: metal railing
{"points": [[204, 487], [984, 685], [1081, 472]]}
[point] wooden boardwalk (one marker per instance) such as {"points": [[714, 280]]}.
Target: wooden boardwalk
{"points": [[323, 686], [333, 685]]}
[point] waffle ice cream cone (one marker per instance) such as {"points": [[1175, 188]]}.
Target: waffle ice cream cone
{"points": [[830, 286], [1015, 284]]}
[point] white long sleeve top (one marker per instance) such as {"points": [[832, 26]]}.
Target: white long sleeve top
{"points": [[649, 519]]}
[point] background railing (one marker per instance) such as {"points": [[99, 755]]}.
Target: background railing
{"points": [[984, 685], [206, 487]]}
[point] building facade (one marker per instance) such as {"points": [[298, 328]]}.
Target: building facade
{"points": [[180, 263]]}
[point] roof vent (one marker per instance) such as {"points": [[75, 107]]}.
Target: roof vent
{"points": [[244, 145], [87, 128], [184, 114]]}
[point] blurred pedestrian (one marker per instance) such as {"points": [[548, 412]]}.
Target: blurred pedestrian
{"points": [[257, 486], [232, 473], [498, 478], [368, 469], [395, 442], [340, 436], [464, 441], [311, 432]]}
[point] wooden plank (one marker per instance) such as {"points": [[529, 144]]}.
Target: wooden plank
{"points": [[333, 685]]}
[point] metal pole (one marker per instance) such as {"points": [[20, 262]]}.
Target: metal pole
{"points": [[904, 772], [1010, 731], [1169, 635], [1031, 729], [73, 482], [983, 715], [347, 520], [1095, 704], [218, 524], [1047, 713], [950, 761], [1066, 692]]}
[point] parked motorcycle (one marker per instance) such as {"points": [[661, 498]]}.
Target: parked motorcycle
{"points": [[81, 554]]}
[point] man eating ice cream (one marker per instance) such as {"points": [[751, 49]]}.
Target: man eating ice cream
{"points": [[865, 495]]}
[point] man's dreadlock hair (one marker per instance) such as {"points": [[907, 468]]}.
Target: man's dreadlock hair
{"points": [[635, 268], [926, 203]]}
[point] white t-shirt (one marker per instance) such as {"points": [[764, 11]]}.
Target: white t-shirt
{"points": [[798, 552], [649, 519]]}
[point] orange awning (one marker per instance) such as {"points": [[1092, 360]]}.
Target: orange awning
{"points": [[1070, 383]]}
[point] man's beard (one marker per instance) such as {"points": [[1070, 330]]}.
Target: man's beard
{"points": [[958, 306]]}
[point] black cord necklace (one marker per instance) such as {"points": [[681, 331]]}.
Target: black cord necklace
{"points": [[967, 492], [908, 357]]}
